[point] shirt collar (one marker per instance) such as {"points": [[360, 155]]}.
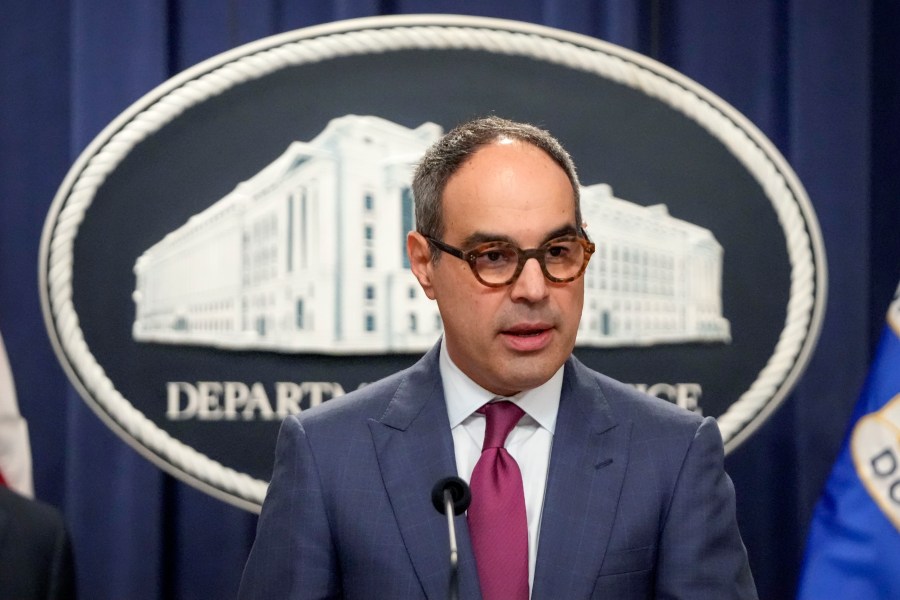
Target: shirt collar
{"points": [[463, 396]]}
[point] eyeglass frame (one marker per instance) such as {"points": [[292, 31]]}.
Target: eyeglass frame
{"points": [[523, 255]]}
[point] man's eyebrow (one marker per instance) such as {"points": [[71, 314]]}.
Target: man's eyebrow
{"points": [[562, 231], [481, 237]]}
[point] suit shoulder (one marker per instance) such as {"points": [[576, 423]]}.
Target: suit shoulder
{"points": [[31, 515], [364, 403], [32, 531]]}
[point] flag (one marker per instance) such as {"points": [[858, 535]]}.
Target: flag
{"points": [[15, 451], [853, 549]]}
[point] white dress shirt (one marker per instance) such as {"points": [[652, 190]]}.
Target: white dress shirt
{"points": [[529, 442]]}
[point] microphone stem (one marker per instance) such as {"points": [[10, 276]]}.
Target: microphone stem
{"points": [[454, 555]]}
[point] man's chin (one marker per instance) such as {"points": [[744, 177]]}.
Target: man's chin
{"points": [[529, 376]]}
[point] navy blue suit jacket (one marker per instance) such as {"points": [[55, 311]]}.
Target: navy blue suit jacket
{"points": [[637, 503]]}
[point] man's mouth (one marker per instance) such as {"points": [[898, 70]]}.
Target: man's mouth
{"points": [[527, 333], [528, 337], [527, 329]]}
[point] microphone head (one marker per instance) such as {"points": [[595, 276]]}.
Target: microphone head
{"points": [[459, 493]]}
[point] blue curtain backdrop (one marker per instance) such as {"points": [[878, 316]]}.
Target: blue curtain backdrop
{"points": [[818, 77]]}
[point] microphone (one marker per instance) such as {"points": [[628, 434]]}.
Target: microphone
{"points": [[451, 496], [459, 499]]}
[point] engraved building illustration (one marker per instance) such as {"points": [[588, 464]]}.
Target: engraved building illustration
{"points": [[652, 279], [309, 255]]}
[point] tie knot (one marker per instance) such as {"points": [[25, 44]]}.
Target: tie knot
{"points": [[501, 418]]}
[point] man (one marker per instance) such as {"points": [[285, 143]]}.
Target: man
{"points": [[598, 491]]}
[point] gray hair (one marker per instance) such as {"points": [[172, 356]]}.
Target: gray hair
{"points": [[449, 153]]}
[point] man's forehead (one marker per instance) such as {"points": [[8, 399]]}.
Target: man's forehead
{"points": [[483, 236], [476, 228], [508, 190]]}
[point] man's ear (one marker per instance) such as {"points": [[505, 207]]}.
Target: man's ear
{"points": [[420, 262]]}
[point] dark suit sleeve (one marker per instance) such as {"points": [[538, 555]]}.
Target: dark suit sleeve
{"points": [[293, 555], [62, 570], [701, 554]]}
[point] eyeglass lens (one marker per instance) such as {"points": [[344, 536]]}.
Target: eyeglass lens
{"points": [[497, 262]]}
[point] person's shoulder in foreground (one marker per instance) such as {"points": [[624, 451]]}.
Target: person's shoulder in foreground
{"points": [[35, 552]]}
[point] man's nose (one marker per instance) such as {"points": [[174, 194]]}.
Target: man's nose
{"points": [[531, 286]]}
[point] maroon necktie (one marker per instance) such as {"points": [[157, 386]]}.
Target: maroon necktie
{"points": [[498, 525]]}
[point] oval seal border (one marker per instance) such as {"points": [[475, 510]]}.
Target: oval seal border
{"points": [[808, 279]]}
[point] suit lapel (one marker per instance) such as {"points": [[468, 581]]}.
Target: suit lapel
{"points": [[414, 447], [587, 468]]}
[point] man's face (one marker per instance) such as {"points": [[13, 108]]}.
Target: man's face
{"points": [[511, 338]]}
